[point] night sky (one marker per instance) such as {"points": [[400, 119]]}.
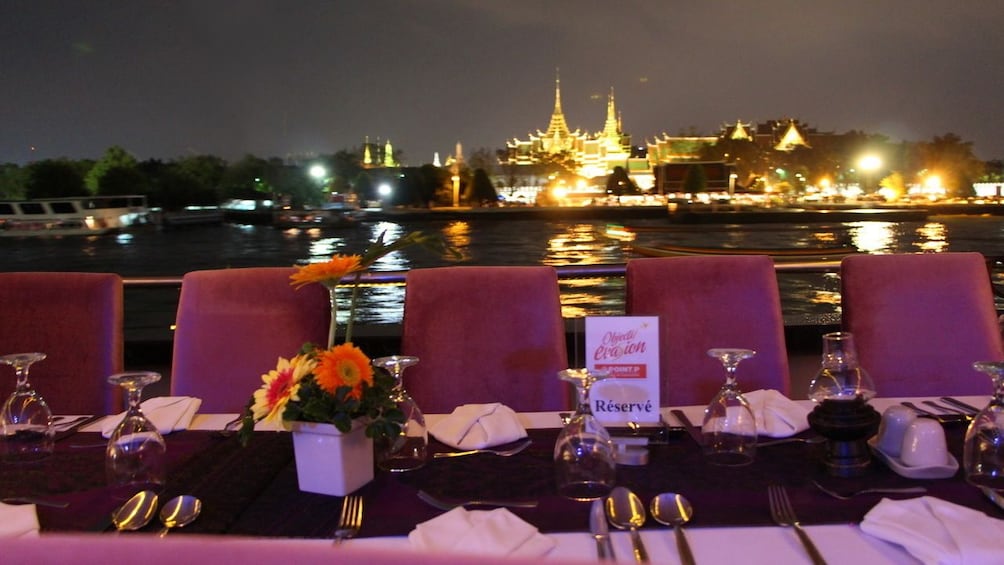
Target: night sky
{"points": [[165, 79]]}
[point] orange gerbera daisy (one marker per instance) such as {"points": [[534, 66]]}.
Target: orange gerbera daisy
{"points": [[344, 365], [280, 384], [327, 273]]}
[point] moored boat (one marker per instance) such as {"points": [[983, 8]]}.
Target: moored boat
{"points": [[778, 254], [78, 215], [340, 212]]}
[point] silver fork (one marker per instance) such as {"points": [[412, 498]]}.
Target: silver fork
{"points": [[851, 494], [351, 519], [500, 452], [784, 515]]}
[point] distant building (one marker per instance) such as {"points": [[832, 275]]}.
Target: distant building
{"points": [[595, 154]]}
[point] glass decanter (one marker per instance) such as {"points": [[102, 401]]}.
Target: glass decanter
{"points": [[729, 428], [26, 419], [406, 451], [135, 453], [983, 450], [583, 453], [840, 376]]}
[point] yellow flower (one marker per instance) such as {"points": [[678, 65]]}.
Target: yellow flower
{"points": [[327, 273], [280, 384], [343, 365]]}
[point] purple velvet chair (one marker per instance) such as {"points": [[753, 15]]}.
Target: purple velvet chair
{"points": [[485, 334], [920, 320], [232, 327], [76, 320], [707, 302]]}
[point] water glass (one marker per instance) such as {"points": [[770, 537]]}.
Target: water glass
{"points": [[25, 420], [135, 453], [729, 428], [584, 460], [983, 450], [406, 451]]}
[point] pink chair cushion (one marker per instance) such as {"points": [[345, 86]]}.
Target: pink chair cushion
{"points": [[485, 334], [232, 327], [921, 320], [706, 302], [76, 320]]}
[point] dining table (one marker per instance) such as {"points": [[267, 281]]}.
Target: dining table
{"points": [[251, 491]]}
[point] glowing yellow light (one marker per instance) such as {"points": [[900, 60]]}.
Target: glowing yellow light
{"points": [[869, 163]]}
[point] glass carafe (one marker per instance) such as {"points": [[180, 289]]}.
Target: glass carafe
{"points": [[983, 451], [840, 376], [26, 419], [584, 454], [407, 450]]}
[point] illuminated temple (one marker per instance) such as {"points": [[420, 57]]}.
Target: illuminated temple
{"points": [[596, 154]]}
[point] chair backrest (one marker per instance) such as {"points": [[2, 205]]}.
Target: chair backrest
{"points": [[76, 320], [921, 320], [232, 327], [485, 334], [706, 302]]}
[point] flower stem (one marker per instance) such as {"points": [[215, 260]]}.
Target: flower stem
{"points": [[333, 327], [352, 308]]}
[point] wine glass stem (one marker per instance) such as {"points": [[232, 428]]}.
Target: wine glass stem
{"points": [[135, 394], [21, 373], [730, 375]]}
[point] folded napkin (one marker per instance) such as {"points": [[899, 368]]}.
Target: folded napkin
{"points": [[776, 415], [168, 413], [487, 532], [936, 531], [18, 520], [476, 426]]}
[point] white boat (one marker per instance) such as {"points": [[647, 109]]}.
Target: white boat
{"points": [[340, 212], [77, 215]]}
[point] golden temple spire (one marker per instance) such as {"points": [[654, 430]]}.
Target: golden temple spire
{"points": [[557, 130]]}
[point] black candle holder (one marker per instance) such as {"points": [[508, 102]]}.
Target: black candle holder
{"points": [[846, 425]]}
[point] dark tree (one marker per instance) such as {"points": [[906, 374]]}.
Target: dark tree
{"points": [[619, 183], [695, 180], [482, 191], [53, 178]]}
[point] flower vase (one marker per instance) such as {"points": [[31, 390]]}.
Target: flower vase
{"points": [[329, 461]]}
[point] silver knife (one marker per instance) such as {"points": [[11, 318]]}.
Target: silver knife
{"points": [[600, 530], [694, 431], [959, 404]]}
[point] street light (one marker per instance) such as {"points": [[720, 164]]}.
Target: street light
{"points": [[869, 164]]}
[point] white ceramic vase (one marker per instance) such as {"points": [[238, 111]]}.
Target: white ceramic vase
{"points": [[329, 461]]}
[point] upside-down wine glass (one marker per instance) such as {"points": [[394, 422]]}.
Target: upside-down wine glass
{"points": [[407, 450], [983, 451], [135, 453], [584, 454], [26, 419], [729, 428]]}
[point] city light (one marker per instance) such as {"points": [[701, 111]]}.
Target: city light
{"points": [[870, 163], [318, 172], [384, 190]]}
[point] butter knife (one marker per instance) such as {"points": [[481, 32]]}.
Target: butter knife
{"points": [[600, 530], [694, 431], [959, 404]]}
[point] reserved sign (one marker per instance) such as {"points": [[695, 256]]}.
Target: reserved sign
{"points": [[627, 347]]}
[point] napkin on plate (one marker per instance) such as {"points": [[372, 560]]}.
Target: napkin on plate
{"points": [[18, 520], [487, 532], [476, 426], [936, 531], [168, 413], [776, 415]]}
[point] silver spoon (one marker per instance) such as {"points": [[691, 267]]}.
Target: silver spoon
{"points": [[627, 512], [179, 512], [136, 512], [671, 509]]}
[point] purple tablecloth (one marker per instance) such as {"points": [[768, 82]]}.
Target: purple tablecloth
{"points": [[252, 490]]}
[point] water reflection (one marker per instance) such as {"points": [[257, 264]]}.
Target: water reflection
{"points": [[872, 237], [933, 237]]}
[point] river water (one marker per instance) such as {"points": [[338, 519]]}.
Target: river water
{"points": [[154, 252]]}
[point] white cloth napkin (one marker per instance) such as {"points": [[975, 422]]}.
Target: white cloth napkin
{"points": [[486, 532], [476, 426], [776, 415], [936, 531], [18, 520], [168, 413]]}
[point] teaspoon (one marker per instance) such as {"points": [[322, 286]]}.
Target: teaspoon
{"points": [[136, 512], [672, 509], [627, 512], [179, 512]]}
